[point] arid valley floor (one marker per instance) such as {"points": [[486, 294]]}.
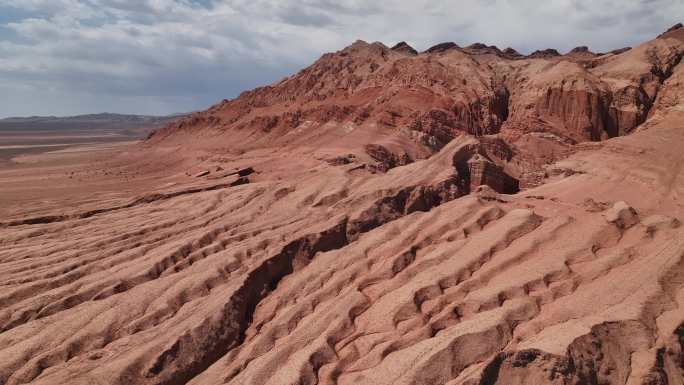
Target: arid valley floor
{"points": [[464, 215]]}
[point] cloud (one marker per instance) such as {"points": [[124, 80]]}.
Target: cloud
{"points": [[162, 56]]}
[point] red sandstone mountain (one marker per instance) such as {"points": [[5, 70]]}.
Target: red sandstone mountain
{"points": [[527, 110], [457, 216]]}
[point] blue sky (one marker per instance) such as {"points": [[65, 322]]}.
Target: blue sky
{"points": [[64, 57]]}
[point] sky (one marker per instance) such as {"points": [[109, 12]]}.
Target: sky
{"points": [[67, 57]]}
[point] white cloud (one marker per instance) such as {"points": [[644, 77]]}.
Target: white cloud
{"points": [[161, 56]]}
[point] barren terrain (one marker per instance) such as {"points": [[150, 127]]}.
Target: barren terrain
{"points": [[464, 215], [36, 135]]}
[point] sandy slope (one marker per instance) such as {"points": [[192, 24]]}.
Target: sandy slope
{"points": [[314, 269]]}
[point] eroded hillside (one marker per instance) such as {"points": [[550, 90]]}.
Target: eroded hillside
{"points": [[458, 216]]}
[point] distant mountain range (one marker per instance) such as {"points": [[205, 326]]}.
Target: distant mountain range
{"points": [[118, 125], [135, 125]]}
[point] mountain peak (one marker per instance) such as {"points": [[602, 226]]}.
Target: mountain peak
{"points": [[512, 52], [442, 47], [404, 48], [545, 53], [675, 27], [581, 49]]}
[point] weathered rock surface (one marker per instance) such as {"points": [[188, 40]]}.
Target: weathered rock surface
{"points": [[622, 215], [482, 171], [385, 158]]}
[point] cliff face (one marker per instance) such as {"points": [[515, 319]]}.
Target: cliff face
{"points": [[482, 171]]}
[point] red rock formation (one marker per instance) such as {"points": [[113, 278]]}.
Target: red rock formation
{"points": [[675, 27], [544, 53], [512, 53], [442, 47], [386, 159], [482, 171], [405, 48], [428, 99], [580, 49], [302, 266]]}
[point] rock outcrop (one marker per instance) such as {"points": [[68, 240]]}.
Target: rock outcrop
{"points": [[622, 215], [620, 50], [675, 27], [580, 49], [442, 47], [385, 158], [544, 53], [482, 171], [512, 53], [405, 48]]}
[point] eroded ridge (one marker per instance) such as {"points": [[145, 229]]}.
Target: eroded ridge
{"points": [[473, 288]]}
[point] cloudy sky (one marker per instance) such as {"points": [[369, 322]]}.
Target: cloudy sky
{"points": [[63, 57]]}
